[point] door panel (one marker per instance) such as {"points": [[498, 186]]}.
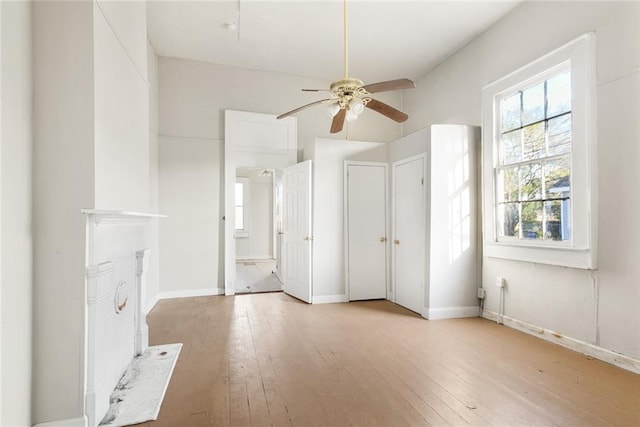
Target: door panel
{"points": [[366, 228], [408, 233], [296, 226]]}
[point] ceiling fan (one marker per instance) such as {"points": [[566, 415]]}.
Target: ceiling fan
{"points": [[348, 97]]}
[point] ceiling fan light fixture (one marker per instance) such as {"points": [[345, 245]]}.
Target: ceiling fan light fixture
{"points": [[356, 106], [332, 109], [351, 116]]}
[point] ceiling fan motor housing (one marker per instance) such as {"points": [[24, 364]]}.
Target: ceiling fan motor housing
{"points": [[345, 90]]}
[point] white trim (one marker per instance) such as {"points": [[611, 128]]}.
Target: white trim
{"points": [[70, 422], [581, 251], [329, 299], [151, 305], [345, 220], [204, 292], [452, 312], [617, 359]]}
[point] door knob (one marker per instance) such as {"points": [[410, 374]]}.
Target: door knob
{"points": [[396, 242], [307, 238], [383, 239]]}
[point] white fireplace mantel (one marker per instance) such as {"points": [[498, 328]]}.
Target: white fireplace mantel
{"points": [[117, 257]]}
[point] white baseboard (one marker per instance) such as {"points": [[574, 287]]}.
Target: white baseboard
{"points": [[452, 312], [151, 304], [255, 258], [71, 422], [617, 359], [328, 299], [205, 292]]}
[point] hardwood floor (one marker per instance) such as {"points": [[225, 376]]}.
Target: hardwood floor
{"points": [[268, 359]]}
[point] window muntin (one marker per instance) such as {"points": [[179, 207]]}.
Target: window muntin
{"points": [[533, 171]]}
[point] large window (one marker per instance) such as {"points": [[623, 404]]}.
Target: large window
{"points": [[538, 160], [533, 185]]}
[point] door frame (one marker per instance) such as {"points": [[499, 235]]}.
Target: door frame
{"points": [[387, 227], [421, 156], [240, 151]]}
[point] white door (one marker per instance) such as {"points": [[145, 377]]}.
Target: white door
{"points": [[408, 251], [366, 230], [296, 226]]}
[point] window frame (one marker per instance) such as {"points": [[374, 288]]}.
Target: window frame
{"points": [[580, 251]]}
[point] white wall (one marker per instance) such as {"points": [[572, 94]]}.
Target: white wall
{"points": [[91, 128], [194, 95], [16, 139], [153, 282], [259, 243], [595, 307], [63, 184], [453, 256], [190, 176], [328, 157], [121, 106]]}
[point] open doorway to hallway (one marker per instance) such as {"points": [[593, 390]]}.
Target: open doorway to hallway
{"points": [[257, 213]]}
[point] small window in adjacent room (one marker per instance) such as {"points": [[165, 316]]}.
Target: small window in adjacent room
{"points": [[241, 197], [538, 162]]}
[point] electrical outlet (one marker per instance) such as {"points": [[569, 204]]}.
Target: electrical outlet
{"points": [[500, 282], [480, 293]]}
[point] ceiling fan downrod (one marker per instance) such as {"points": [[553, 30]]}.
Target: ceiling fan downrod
{"points": [[346, 43]]}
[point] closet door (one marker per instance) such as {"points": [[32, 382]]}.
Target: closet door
{"points": [[408, 246], [366, 230]]}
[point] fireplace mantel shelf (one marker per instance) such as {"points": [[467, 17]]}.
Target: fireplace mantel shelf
{"points": [[100, 216]]}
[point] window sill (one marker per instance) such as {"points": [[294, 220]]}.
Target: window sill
{"points": [[241, 234], [560, 256]]}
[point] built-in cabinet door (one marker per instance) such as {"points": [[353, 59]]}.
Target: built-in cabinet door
{"points": [[408, 245], [296, 227], [366, 235]]}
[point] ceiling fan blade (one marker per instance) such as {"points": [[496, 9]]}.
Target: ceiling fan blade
{"points": [[338, 121], [389, 85], [288, 113], [387, 110], [315, 90]]}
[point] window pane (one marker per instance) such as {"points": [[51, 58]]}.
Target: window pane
{"points": [[533, 104], [532, 220], [559, 94], [557, 178], [531, 182], [239, 194], [510, 111], [533, 141], [239, 218], [508, 185], [508, 219], [559, 135], [510, 148], [558, 219]]}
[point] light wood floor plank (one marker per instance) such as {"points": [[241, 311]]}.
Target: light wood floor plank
{"points": [[271, 360]]}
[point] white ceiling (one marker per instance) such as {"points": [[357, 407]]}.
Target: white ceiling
{"points": [[387, 39]]}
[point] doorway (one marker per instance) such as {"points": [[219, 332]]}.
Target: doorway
{"points": [[256, 222]]}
